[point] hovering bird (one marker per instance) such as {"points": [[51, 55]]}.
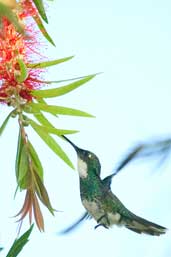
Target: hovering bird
{"points": [[101, 203]]}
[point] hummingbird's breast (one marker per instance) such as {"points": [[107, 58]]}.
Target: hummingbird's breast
{"points": [[100, 215], [93, 208]]}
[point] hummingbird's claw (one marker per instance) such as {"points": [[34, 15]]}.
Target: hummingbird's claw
{"points": [[102, 217], [99, 225]]}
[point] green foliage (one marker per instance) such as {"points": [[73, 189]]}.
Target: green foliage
{"points": [[53, 109], [35, 160], [43, 29], [42, 193], [21, 163], [53, 145], [43, 120], [63, 89], [3, 126], [52, 130], [19, 243], [48, 63], [41, 9], [49, 82], [23, 71]]}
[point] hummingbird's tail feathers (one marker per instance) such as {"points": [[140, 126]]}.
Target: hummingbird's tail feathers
{"points": [[140, 225], [75, 224]]}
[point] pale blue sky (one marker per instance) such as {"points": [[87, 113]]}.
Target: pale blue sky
{"points": [[130, 41]]}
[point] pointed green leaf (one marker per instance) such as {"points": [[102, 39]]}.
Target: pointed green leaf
{"points": [[3, 126], [48, 63], [23, 165], [53, 145], [42, 101], [19, 243], [42, 29], [23, 71], [41, 9], [52, 130], [35, 160], [42, 194], [53, 109], [64, 80], [62, 90], [43, 120], [17, 160], [18, 155], [5, 11]]}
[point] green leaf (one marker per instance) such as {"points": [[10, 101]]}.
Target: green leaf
{"points": [[41, 9], [19, 243], [42, 194], [5, 11], [23, 165], [53, 145], [43, 120], [53, 130], [62, 90], [53, 109], [35, 160], [48, 63], [23, 71], [3, 126], [64, 80], [18, 155], [42, 101], [43, 29]]}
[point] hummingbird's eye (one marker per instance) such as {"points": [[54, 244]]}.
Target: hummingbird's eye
{"points": [[90, 155]]}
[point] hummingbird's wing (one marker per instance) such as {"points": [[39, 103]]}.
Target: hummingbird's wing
{"points": [[160, 149], [75, 224], [130, 156], [133, 153]]}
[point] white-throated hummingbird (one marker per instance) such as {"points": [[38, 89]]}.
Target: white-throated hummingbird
{"points": [[101, 203]]}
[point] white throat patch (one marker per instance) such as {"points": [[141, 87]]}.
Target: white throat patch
{"points": [[82, 168]]}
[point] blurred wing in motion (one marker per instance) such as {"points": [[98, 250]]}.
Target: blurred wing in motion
{"points": [[75, 224], [159, 149]]}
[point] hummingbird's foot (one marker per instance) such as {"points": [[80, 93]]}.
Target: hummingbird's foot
{"points": [[104, 217], [101, 225]]}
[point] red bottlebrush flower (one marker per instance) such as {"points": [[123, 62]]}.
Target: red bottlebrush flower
{"points": [[27, 9], [15, 46]]}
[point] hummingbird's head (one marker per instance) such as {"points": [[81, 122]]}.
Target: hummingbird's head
{"points": [[87, 161]]}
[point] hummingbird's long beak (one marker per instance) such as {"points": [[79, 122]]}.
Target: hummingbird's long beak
{"points": [[77, 149]]}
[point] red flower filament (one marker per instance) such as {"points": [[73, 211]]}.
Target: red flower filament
{"points": [[14, 46]]}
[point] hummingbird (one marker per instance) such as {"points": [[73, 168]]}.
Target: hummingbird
{"points": [[100, 202]]}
